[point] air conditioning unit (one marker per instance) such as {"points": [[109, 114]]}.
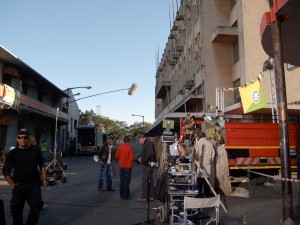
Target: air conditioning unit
{"points": [[171, 36], [179, 17], [189, 84], [174, 28], [175, 56], [172, 62]]}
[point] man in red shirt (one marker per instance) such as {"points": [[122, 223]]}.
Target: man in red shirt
{"points": [[125, 156]]}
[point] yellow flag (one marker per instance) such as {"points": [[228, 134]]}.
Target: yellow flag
{"points": [[252, 97]]}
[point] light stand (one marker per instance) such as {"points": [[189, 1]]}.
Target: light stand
{"points": [[148, 221], [54, 162]]}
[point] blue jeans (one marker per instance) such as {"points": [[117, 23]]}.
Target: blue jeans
{"points": [[125, 177], [107, 168]]}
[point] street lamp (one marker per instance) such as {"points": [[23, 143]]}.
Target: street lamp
{"points": [[131, 90], [143, 120], [68, 90]]}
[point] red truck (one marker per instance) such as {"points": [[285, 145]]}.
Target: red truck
{"points": [[256, 146]]}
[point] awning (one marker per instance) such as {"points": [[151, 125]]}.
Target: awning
{"points": [[157, 128], [9, 70]]}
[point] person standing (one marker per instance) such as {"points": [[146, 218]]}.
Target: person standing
{"points": [[221, 119], [44, 149], [189, 126], [25, 160], [125, 156], [105, 159], [147, 156], [203, 157]]}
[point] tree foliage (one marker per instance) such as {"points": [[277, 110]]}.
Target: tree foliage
{"points": [[114, 127]]}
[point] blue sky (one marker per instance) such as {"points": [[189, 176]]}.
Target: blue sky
{"points": [[104, 44]]}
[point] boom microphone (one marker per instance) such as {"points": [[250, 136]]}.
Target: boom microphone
{"points": [[132, 89]]}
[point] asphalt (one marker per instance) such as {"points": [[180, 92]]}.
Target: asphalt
{"points": [[78, 202]]}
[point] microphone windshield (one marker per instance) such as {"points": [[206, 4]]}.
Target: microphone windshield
{"points": [[132, 89]]}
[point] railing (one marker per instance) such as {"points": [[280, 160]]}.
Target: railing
{"points": [[27, 101]]}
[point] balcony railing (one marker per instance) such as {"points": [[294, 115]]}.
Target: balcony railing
{"points": [[39, 106]]}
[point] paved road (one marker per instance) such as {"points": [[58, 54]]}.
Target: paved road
{"points": [[78, 202]]}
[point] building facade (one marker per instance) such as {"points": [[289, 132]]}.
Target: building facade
{"points": [[213, 46], [68, 132], [27, 99]]}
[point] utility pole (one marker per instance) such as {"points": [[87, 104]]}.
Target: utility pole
{"points": [[287, 199]]}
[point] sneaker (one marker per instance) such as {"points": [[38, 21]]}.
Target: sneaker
{"points": [[151, 199], [141, 199]]}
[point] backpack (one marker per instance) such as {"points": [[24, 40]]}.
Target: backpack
{"points": [[160, 189]]}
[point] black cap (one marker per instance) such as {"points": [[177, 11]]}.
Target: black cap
{"points": [[23, 131]]}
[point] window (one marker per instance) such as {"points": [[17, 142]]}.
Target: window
{"points": [[236, 94], [72, 124], [75, 124]]}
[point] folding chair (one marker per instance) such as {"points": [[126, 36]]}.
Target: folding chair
{"points": [[201, 203]]}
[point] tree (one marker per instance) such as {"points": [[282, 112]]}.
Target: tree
{"points": [[115, 127]]}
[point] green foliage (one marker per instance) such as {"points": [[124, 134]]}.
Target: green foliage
{"points": [[115, 127]]}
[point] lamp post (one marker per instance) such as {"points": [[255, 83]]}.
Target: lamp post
{"points": [[143, 120], [68, 90]]}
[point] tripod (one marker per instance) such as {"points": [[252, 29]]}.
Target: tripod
{"points": [[54, 162], [148, 221]]}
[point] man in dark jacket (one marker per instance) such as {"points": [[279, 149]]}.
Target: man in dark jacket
{"points": [[26, 181], [147, 156], [105, 159]]}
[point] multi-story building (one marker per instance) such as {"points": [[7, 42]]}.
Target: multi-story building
{"points": [[215, 46], [27, 99]]}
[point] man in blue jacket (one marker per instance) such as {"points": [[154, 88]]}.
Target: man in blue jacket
{"points": [[105, 158]]}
